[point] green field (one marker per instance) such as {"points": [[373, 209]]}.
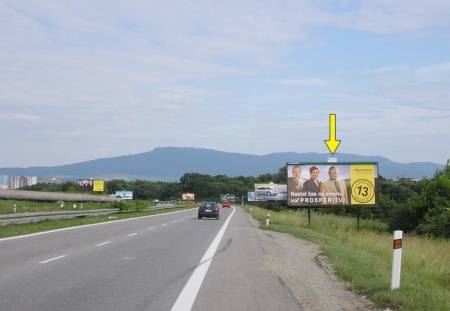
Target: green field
{"points": [[363, 258], [13, 230], [7, 206]]}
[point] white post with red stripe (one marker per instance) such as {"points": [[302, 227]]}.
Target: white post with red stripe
{"points": [[268, 219], [397, 259]]}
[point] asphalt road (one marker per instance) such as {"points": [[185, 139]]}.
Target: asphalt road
{"points": [[164, 262]]}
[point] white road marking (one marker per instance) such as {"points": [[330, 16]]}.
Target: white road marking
{"points": [[132, 234], [90, 225], [104, 243], [187, 296], [164, 225], [151, 228], [54, 258]]}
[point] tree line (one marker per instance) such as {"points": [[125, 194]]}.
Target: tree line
{"points": [[420, 206]]}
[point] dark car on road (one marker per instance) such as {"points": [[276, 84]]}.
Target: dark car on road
{"points": [[208, 209]]}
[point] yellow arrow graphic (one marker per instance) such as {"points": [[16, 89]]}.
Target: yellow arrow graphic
{"points": [[332, 143]]}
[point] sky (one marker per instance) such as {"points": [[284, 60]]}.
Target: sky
{"points": [[81, 80]]}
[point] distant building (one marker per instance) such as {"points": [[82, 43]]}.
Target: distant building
{"points": [[16, 182], [29, 180], [3, 182]]}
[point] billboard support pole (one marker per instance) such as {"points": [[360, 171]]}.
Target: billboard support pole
{"points": [[358, 213], [309, 217]]}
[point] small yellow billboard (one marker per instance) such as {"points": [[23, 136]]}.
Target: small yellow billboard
{"points": [[99, 185]]}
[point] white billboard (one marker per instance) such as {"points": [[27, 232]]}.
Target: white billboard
{"points": [[270, 192]]}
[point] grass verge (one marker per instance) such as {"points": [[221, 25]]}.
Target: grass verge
{"points": [[363, 258], [23, 206], [45, 225]]}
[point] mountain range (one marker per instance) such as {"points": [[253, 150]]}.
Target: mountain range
{"points": [[170, 163]]}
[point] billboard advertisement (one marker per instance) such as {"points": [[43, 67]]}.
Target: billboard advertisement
{"points": [[250, 197], [188, 197], [227, 198], [332, 184], [98, 185], [270, 192], [124, 194], [86, 184]]}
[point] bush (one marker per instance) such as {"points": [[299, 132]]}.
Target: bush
{"points": [[140, 206], [403, 217], [120, 205], [437, 223]]}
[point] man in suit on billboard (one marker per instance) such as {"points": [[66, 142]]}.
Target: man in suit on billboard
{"points": [[333, 185], [295, 183], [312, 185]]}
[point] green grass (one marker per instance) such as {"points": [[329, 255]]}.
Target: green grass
{"points": [[22, 206], [20, 229], [363, 258]]}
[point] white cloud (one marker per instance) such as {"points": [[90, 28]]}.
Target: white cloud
{"points": [[303, 82], [400, 16], [385, 70], [11, 116], [436, 68]]}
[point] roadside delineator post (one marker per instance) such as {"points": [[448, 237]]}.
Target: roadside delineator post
{"points": [[15, 210], [74, 207], [396, 259], [268, 219]]}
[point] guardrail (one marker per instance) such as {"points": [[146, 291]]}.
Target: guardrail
{"points": [[54, 196]]}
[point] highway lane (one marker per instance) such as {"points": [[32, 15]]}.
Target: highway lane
{"points": [[141, 264], [238, 278]]}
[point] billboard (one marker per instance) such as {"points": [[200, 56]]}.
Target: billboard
{"points": [[332, 184], [250, 197], [124, 194], [98, 185], [227, 197], [188, 197], [270, 192], [86, 184]]}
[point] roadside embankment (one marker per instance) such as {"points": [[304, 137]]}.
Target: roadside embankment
{"points": [[362, 257]]}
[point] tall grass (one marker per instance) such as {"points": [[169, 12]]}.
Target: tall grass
{"points": [[363, 258]]}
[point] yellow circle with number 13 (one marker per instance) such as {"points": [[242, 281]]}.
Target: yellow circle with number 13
{"points": [[362, 191]]}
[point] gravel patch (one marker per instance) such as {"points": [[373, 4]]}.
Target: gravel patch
{"points": [[301, 267]]}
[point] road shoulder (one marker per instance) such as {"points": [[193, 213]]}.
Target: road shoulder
{"points": [[311, 279]]}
